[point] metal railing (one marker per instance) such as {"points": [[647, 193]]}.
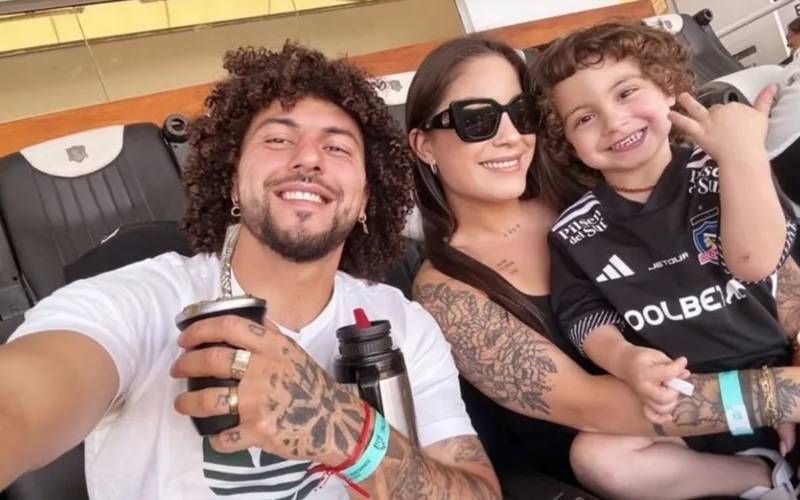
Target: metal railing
{"points": [[755, 16]]}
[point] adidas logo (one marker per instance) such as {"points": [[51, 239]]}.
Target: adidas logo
{"points": [[614, 270]]}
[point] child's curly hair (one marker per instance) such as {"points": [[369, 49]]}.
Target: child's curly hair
{"points": [[258, 77], [661, 56]]}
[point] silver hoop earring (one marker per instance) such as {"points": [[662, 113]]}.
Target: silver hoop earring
{"points": [[236, 211], [363, 220]]}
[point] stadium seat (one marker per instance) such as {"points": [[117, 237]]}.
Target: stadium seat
{"points": [[14, 298], [176, 133], [710, 59], [61, 198]]}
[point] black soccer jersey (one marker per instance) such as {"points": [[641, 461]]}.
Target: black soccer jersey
{"points": [[657, 271]]}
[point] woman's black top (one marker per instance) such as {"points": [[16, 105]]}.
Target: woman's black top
{"points": [[515, 442]]}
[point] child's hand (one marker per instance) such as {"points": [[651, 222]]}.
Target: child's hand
{"points": [[728, 132], [646, 373]]}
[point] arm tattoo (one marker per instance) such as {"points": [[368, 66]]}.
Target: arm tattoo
{"points": [[406, 474], [788, 296], [703, 409], [497, 353], [312, 417], [703, 412], [788, 393]]}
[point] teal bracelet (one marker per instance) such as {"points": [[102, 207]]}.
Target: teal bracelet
{"points": [[368, 463], [735, 411]]}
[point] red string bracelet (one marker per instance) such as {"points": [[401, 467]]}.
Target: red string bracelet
{"points": [[361, 447]]}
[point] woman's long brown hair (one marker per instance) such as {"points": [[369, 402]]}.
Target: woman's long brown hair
{"points": [[439, 70]]}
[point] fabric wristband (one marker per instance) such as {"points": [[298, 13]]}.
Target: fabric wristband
{"points": [[368, 463], [735, 410]]}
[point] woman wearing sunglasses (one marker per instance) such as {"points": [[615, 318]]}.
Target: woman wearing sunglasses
{"points": [[488, 200]]}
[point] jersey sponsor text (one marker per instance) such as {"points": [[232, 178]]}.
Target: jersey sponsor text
{"points": [[669, 262], [583, 228], [703, 176]]}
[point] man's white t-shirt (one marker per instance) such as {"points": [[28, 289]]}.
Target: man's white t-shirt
{"points": [[144, 450]]}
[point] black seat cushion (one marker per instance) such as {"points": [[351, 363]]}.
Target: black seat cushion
{"points": [[61, 198], [402, 276], [129, 244]]}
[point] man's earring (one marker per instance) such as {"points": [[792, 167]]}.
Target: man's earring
{"points": [[363, 220], [433, 168], [236, 211]]}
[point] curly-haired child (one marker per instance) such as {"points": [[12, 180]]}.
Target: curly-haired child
{"points": [[669, 261]]}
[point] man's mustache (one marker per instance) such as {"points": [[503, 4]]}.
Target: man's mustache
{"points": [[306, 179]]}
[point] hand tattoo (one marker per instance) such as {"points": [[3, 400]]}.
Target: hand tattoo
{"points": [[223, 401], [257, 330], [320, 416], [496, 352], [233, 436]]}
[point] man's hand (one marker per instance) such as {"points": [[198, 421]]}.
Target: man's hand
{"points": [[288, 405], [731, 131], [646, 372]]}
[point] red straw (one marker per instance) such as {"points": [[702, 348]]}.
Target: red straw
{"points": [[362, 322]]}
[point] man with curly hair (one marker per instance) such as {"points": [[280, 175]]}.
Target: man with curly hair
{"points": [[299, 185]]}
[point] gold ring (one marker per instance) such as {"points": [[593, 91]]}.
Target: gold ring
{"points": [[233, 400], [241, 360]]}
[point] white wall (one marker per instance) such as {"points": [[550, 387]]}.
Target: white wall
{"points": [[479, 15], [789, 13], [765, 33]]}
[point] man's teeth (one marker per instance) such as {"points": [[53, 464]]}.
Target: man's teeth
{"points": [[500, 164], [629, 141], [302, 195]]}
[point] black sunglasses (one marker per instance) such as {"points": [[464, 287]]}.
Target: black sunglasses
{"points": [[476, 120]]}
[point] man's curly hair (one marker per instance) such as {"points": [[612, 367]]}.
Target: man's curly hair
{"points": [[257, 77], [661, 57]]}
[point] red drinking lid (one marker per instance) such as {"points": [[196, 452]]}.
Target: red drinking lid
{"points": [[362, 321]]}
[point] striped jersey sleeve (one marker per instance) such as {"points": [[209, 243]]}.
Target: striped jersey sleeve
{"points": [[578, 305]]}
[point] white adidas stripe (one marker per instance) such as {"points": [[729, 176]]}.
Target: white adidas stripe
{"points": [[578, 209], [615, 269]]}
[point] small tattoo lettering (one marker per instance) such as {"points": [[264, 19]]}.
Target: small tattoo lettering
{"points": [[507, 266], [233, 437], [511, 230], [257, 330]]}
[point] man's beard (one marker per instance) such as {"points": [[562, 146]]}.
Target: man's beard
{"points": [[296, 244]]}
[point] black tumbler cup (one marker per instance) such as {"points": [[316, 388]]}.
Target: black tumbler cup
{"points": [[245, 306]]}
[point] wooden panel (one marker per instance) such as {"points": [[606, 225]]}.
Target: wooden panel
{"points": [[189, 101]]}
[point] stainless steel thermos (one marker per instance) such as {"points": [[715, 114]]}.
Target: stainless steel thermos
{"points": [[376, 370]]}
